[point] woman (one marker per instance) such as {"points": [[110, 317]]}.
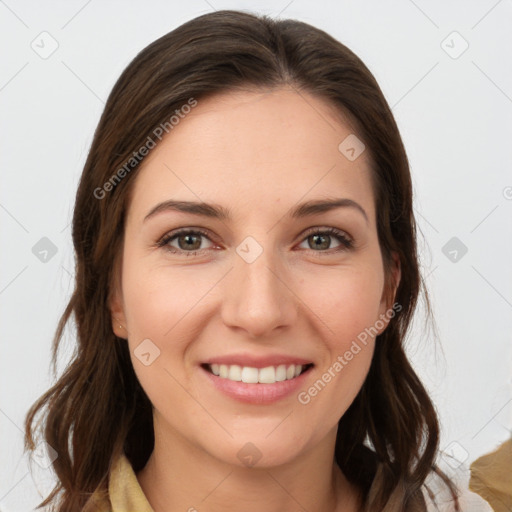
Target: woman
{"points": [[246, 272]]}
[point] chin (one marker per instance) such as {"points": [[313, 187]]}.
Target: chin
{"points": [[258, 451]]}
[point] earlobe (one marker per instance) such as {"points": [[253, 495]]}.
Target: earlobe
{"points": [[118, 317], [118, 328]]}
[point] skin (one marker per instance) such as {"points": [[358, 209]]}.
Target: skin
{"points": [[258, 154]]}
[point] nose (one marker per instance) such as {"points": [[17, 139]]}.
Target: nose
{"points": [[259, 297]]}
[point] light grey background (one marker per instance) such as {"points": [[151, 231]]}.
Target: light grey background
{"points": [[455, 115]]}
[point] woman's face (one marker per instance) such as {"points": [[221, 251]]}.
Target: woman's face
{"points": [[256, 294]]}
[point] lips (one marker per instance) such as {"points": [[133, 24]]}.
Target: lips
{"points": [[257, 379], [256, 393]]}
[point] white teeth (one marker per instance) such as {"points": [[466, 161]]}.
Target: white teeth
{"points": [[267, 375], [249, 375], [235, 373], [281, 373]]}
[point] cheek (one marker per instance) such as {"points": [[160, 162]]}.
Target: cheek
{"points": [[158, 299], [158, 307], [349, 347], [345, 299]]}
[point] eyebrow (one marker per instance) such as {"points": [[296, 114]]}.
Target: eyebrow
{"points": [[216, 211]]}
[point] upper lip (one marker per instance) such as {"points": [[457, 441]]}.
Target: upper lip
{"points": [[254, 361]]}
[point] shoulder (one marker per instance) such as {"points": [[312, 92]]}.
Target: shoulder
{"points": [[124, 493]]}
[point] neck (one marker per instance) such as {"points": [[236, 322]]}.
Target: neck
{"points": [[180, 476]]}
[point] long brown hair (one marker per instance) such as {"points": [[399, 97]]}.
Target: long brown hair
{"points": [[97, 409]]}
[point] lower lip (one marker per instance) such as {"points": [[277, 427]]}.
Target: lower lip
{"points": [[257, 393]]}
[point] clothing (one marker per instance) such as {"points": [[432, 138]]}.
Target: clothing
{"points": [[491, 477], [126, 495]]}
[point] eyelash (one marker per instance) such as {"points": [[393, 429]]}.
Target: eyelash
{"points": [[346, 242]]}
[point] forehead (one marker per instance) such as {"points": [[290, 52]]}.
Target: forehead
{"points": [[251, 149]]}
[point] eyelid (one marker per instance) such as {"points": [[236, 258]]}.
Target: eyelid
{"points": [[167, 237], [327, 229], [346, 241]]}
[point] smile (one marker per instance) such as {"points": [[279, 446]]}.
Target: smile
{"points": [[251, 375]]}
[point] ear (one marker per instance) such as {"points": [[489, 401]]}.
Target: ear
{"points": [[386, 310], [116, 305]]}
